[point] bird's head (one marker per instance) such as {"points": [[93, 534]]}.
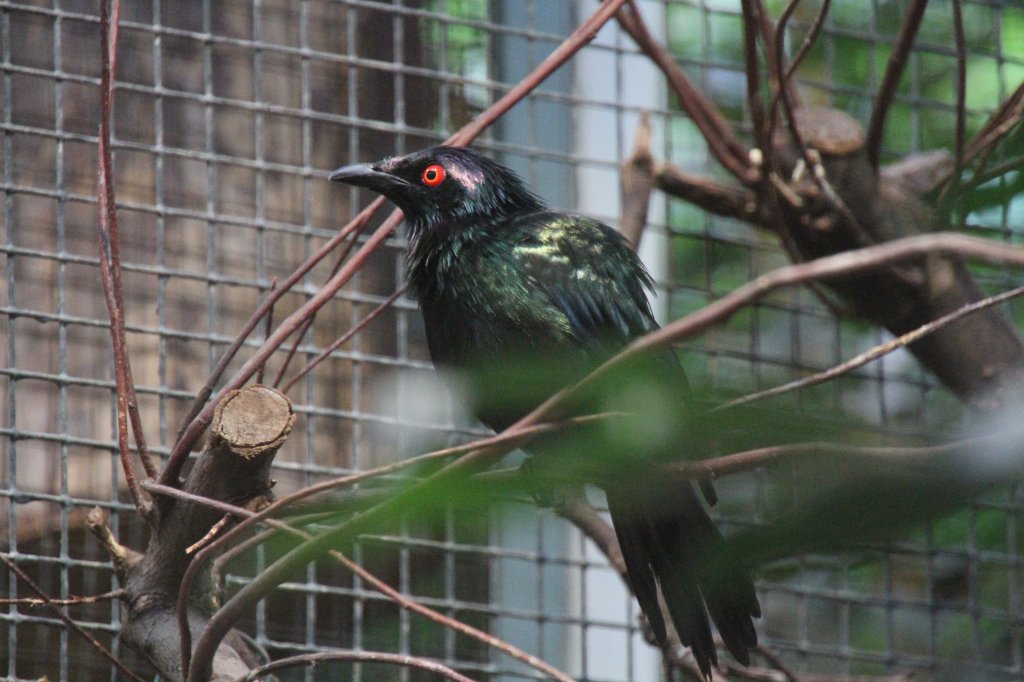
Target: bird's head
{"points": [[443, 187]]}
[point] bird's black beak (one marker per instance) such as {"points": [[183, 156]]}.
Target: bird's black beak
{"points": [[366, 175]]}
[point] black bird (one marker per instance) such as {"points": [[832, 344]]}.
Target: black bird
{"points": [[500, 276]]}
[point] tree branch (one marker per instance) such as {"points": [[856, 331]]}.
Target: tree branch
{"points": [[721, 140], [891, 79], [110, 269], [67, 620], [421, 493], [873, 353], [312, 660], [343, 339]]}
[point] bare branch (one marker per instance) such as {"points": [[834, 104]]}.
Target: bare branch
{"points": [[722, 199], [110, 268], [508, 439], [752, 21], [301, 333], [268, 325], [312, 660], [891, 79], [812, 35], [421, 492], [575, 509], [961, 91], [721, 140], [71, 601], [1001, 122], [785, 80], [874, 353], [821, 268], [345, 337], [67, 620], [201, 410], [734, 463], [776, 662]]}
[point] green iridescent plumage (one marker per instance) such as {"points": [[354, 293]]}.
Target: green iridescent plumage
{"points": [[502, 280]]}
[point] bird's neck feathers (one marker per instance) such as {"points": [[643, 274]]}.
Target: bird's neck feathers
{"points": [[439, 237], [436, 248]]}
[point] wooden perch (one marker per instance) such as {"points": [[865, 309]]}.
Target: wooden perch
{"points": [[980, 357], [249, 426]]}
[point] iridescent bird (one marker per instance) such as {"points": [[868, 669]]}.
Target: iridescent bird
{"points": [[499, 276]]}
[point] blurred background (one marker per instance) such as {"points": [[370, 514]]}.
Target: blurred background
{"points": [[228, 115]]}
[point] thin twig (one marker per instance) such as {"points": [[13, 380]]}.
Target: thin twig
{"points": [[268, 324], [68, 621], [786, 79], [961, 93], [776, 662], [809, 40], [201, 410], [313, 660], [209, 536], [360, 326], [1002, 121], [577, 510], [377, 583], [993, 172], [71, 601], [110, 268], [873, 353], [737, 462], [999, 124], [301, 333], [751, 25], [721, 140], [891, 80]]}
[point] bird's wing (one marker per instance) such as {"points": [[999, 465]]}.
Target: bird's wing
{"points": [[587, 272]]}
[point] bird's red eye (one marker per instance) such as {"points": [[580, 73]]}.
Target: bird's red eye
{"points": [[433, 175]]}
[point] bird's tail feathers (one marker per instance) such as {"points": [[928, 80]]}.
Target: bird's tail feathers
{"points": [[667, 540]]}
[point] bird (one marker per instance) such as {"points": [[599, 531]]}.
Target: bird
{"points": [[501, 278]]}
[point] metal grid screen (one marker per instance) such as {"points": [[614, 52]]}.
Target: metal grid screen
{"points": [[228, 112]]}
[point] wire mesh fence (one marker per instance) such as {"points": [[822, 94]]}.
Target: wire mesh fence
{"points": [[228, 114]]}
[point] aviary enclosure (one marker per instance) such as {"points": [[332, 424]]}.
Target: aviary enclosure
{"points": [[828, 194]]}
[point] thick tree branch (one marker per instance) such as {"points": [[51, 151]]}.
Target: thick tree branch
{"points": [[731, 201], [248, 428]]}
